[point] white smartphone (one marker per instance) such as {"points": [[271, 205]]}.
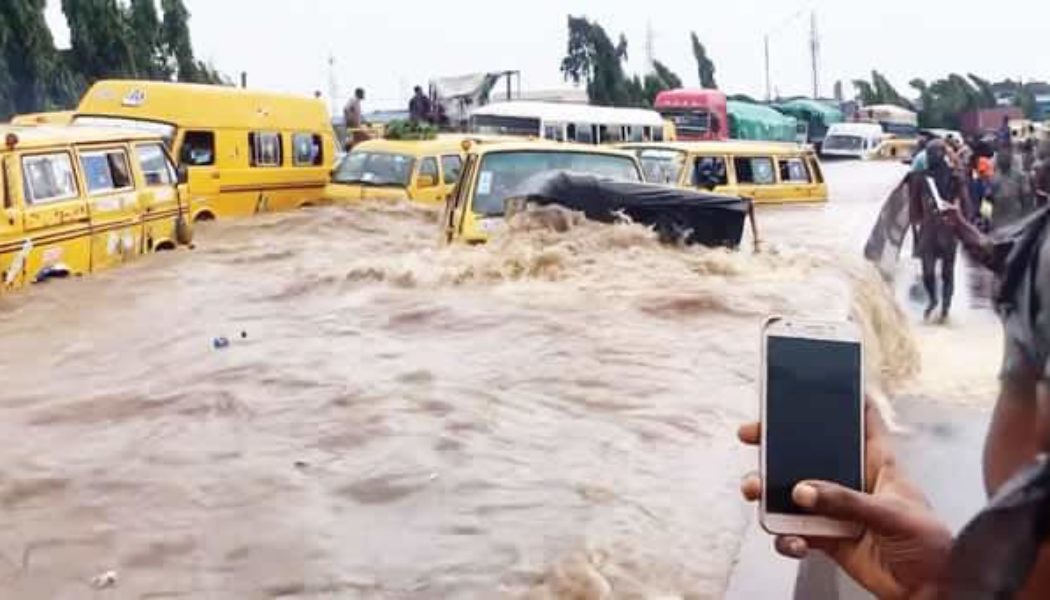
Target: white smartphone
{"points": [[812, 420]]}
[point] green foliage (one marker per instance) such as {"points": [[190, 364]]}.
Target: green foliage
{"points": [[408, 130], [944, 101], [108, 38], [704, 65], [879, 91], [99, 36], [592, 58]]}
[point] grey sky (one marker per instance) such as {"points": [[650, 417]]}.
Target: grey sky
{"points": [[387, 46]]}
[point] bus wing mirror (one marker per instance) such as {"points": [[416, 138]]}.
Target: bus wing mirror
{"points": [[183, 174]]}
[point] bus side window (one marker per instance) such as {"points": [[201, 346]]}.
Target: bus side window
{"points": [[709, 172], [570, 132], [265, 149], [814, 166], [585, 134], [307, 150], [754, 171], [793, 170], [554, 132], [451, 166], [198, 149]]}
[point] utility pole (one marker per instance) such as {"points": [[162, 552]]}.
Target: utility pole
{"points": [[814, 46], [650, 48], [333, 86], [769, 81]]}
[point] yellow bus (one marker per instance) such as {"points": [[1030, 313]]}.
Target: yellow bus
{"points": [[244, 152], [80, 199], [423, 171], [491, 173], [766, 172], [58, 117]]}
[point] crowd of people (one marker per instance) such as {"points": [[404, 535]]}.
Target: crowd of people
{"points": [[994, 183]]}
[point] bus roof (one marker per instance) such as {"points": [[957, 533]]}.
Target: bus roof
{"points": [[44, 136], [549, 146], [189, 105], [58, 117], [727, 147], [440, 145], [572, 113], [856, 129]]}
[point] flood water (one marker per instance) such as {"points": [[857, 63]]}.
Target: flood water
{"points": [[548, 416]]}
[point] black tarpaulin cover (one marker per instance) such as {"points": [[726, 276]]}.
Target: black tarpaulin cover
{"points": [[676, 215]]}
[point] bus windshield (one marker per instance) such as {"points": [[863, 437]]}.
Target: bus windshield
{"points": [[502, 173], [662, 166], [374, 168], [851, 143], [165, 131]]}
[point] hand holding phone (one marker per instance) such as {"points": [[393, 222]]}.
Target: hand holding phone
{"points": [[812, 421]]}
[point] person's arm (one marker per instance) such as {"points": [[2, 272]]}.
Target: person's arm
{"points": [[978, 245]]}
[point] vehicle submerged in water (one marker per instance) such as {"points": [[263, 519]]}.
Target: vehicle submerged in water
{"points": [[602, 183], [677, 216]]}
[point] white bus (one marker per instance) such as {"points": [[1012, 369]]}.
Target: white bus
{"points": [[894, 120], [569, 122], [852, 140]]}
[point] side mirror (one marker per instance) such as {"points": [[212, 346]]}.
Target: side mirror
{"points": [[183, 174], [426, 181]]}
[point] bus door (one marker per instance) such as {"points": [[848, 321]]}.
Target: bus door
{"points": [[12, 236], [113, 203], [197, 156], [756, 178], [159, 195], [57, 220]]}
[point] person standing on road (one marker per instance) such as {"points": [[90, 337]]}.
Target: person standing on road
{"points": [[1010, 193], [353, 117], [419, 107], [934, 241], [905, 551]]}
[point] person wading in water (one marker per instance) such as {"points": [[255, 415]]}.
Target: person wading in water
{"points": [[935, 242]]}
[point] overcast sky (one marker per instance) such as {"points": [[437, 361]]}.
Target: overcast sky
{"points": [[386, 46]]}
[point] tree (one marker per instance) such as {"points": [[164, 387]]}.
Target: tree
{"points": [[175, 37], [592, 58], [659, 80], [31, 73], [145, 37], [99, 36], [704, 65], [865, 92]]}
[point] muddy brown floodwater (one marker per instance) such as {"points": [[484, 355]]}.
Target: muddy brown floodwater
{"points": [[548, 416]]}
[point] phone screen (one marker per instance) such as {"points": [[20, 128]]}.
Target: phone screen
{"points": [[813, 416]]}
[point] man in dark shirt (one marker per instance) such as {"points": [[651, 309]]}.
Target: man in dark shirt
{"points": [[419, 107], [935, 241]]}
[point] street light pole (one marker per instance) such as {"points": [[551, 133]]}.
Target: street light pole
{"points": [[769, 82]]}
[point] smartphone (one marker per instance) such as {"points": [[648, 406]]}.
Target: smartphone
{"points": [[812, 420]]}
